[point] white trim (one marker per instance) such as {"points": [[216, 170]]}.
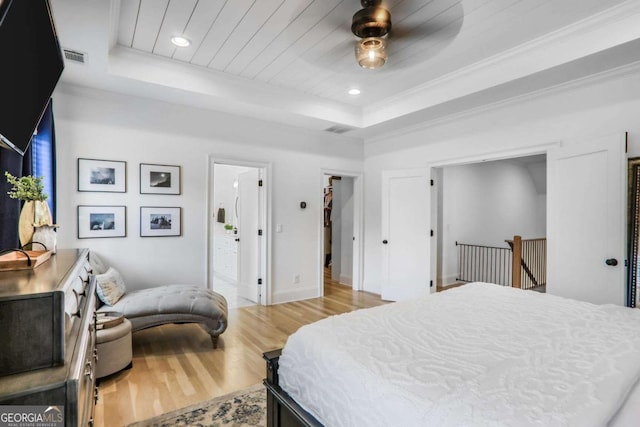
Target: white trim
{"points": [[345, 280], [265, 220], [618, 72], [358, 229], [294, 295], [510, 153]]}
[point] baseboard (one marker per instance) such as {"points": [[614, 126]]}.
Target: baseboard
{"points": [[449, 280], [346, 280], [294, 295]]}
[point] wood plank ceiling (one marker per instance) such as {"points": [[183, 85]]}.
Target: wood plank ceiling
{"points": [[307, 45]]}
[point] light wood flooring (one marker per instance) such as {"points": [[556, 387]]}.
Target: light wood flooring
{"points": [[174, 365]]}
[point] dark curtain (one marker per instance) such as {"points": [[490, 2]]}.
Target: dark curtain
{"points": [[16, 165]]}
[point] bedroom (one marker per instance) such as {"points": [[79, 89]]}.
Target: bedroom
{"points": [[96, 122]]}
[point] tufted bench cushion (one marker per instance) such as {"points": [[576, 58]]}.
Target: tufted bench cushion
{"points": [[150, 307]]}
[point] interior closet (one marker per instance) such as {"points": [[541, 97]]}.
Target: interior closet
{"points": [[328, 205]]}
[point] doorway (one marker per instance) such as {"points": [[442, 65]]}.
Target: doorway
{"points": [[480, 207], [340, 231], [237, 267]]}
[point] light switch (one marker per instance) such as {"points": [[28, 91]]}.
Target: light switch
{"points": [[278, 228]]}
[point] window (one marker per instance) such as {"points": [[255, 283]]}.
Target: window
{"points": [[43, 157]]}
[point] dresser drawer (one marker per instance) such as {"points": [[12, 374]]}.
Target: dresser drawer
{"points": [[38, 309]]}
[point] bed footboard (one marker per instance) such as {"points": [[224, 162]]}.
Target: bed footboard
{"points": [[282, 410]]}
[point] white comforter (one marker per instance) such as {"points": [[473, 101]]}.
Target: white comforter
{"points": [[477, 355]]}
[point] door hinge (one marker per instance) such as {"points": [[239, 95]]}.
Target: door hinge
{"points": [[626, 142], [431, 233], [432, 183], [260, 232], [431, 282], [259, 183], [259, 281]]}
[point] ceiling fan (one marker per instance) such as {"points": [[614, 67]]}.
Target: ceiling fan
{"points": [[371, 25], [433, 23]]}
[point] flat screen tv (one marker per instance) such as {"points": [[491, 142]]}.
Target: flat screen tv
{"points": [[31, 65]]}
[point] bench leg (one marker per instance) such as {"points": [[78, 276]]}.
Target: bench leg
{"points": [[214, 341]]}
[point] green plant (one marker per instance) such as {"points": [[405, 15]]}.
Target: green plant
{"points": [[26, 188]]}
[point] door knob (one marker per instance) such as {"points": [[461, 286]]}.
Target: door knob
{"points": [[612, 262], [385, 241]]}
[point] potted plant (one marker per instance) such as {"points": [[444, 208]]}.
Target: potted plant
{"points": [[35, 211]]}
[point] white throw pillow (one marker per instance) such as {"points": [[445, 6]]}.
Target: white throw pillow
{"points": [[110, 286], [97, 264]]}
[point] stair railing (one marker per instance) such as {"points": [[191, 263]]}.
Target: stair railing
{"points": [[522, 265]]}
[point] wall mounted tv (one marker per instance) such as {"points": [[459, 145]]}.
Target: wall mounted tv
{"points": [[32, 63]]}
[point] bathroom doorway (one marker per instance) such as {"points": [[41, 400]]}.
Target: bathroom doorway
{"points": [[237, 232]]}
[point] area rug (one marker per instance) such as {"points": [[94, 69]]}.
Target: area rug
{"points": [[247, 407]]}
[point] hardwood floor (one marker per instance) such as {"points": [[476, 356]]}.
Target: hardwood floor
{"points": [[174, 365]]}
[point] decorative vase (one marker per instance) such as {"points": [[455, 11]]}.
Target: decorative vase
{"points": [[34, 213]]}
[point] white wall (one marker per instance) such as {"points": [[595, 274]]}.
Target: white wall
{"points": [[102, 125], [224, 193], [485, 204], [603, 105]]}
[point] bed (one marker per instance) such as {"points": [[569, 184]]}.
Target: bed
{"points": [[477, 355]]}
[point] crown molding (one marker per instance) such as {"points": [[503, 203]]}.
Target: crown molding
{"points": [[619, 72], [602, 31]]}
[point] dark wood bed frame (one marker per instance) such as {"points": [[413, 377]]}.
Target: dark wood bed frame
{"points": [[282, 410]]}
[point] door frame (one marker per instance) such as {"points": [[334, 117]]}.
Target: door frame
{"points": [[542, 148], [265, 220], [358, 228]]}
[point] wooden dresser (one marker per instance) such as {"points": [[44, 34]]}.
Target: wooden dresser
{"points": [[47, 336]]}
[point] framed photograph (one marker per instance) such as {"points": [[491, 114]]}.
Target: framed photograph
{"points": [[102, 221], [102, 175], [159, 179], [160, 221]]}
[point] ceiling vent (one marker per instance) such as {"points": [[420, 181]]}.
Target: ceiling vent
{"points": [[338, 129], [74, 55]]}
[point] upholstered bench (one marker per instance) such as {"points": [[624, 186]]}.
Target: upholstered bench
{"points": [[164, 304], [160, 305]]}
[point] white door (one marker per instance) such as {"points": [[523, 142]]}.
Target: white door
{"points": [[586, 220], [406, 228], [249, 240]]}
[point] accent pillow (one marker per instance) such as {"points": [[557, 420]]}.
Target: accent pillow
{"points": [[97, 264], [110, 286]]}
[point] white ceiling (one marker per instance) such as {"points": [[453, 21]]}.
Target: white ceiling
{"points": [[292, 61]]}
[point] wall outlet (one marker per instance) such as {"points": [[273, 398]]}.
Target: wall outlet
{"points": [[296, 279]]}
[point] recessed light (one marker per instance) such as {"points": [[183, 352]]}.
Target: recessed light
{"points": [[354, 91], [180, 41]]}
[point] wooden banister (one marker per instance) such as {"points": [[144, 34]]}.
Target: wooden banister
{"points": [[517, 256]]}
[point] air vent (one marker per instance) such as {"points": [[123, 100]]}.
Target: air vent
{"points": [[74, 55], [338, 129]]}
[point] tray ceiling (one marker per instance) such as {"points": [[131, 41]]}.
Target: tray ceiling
{"points": [[293, 61]]}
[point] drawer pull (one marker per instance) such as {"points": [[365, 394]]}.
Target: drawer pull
{"points": [[88, 370], [79, 312]]}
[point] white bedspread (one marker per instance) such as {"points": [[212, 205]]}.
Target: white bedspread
{"points": [[477, 355]]}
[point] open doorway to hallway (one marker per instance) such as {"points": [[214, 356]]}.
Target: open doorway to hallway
{"points": [[237, 233], [478, 209]]}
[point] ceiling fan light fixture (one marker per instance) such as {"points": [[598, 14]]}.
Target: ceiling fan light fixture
{"points": [[372, 21], [371, 52]]}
